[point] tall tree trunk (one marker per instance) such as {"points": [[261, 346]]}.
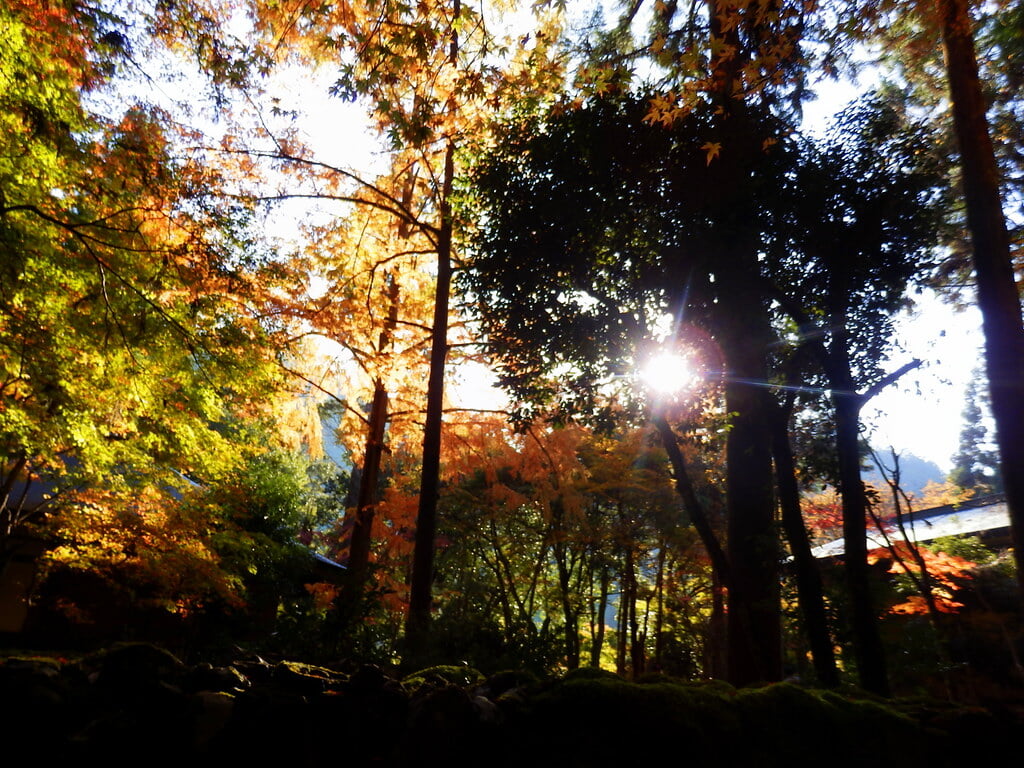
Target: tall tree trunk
{"points": [[359, 543], [636, 645], [754, 619], [572, 630], [835, 362], [373, 453], [692, 504], [715, 646], [602, 606], [622, 632], [808, 575], [867, 642], [716, 652], [998, 298], [659, 614], [418, 620], [753, 623], [499, 576]]}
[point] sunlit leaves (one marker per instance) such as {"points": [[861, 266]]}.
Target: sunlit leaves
{"points": [[132, 336], [193, 547], [947, 575], [711, 52], [154, 544]]}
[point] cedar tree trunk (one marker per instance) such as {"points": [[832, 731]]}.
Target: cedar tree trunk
{"points": [[998, 298]]}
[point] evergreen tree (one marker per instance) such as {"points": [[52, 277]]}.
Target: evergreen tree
{"points": [[975, 466]]}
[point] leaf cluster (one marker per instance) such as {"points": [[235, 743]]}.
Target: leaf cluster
{"points": [[856, 225], [594, 223], [131, 320]]}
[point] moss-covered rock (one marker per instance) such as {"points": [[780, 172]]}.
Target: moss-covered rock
{"points": [[441, 676], [132, 701], [603, 720], [298, 677], [592, 720]]}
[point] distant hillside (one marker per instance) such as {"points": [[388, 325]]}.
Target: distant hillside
{"points": [[915, 473]]}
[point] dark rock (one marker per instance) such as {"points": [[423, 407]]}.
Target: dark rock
{"points": [[297, 677], [206, 677], [134, 666], [213, 713], [138, 703], [503, 682]]}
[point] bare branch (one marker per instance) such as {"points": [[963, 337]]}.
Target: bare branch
{"points": [[891, 378]]}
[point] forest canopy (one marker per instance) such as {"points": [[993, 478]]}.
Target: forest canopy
{"points": [[230, 348]]}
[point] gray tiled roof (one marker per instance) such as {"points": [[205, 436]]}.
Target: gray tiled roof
{"points": [[976, 516]]}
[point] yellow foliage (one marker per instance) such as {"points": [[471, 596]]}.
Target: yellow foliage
{"points": [[941, 494], [145, 537]]}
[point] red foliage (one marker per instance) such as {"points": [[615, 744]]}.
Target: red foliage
{"points": [[946, 572]]}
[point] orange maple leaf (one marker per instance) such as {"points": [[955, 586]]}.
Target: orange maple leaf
{"points": [[713, 149]]}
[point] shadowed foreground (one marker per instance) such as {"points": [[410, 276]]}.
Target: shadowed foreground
{"points": [[136, 703]]}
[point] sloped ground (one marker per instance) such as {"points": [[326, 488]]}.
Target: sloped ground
{"points": [[139, 705]]}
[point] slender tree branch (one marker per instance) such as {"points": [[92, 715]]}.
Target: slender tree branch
{"points": [[391, 204], [888, 379], [692, 504]]}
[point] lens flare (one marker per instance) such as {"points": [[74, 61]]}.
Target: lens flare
{"points": [[668, 373]]}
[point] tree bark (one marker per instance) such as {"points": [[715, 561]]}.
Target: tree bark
{"points": [[716, 653], [571, 629], [361, 533], [743, 329], [808, 575], [418, 620], [715, 646], [868, 649], [602, 605], [369, 477], [847, 403], [636, 643], [691, 503], [754, 617], [622, 633], [659, 615], [754, 621], [998, 298]]}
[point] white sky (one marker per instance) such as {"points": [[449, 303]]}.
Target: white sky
{"points": [[922, 414]]}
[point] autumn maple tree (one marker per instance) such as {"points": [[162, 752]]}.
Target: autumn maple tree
{"points": [[424, 74], [372, 308], [136, 358], [548, 530]]}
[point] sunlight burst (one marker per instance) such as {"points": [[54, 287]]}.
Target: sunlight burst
{"points": [[668, 373]]}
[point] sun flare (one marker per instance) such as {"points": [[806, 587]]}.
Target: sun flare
{"points": [[668, 373]]}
